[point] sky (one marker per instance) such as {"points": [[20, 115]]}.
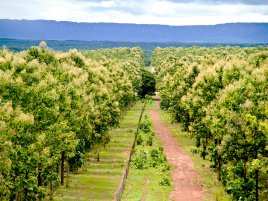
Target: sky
{"points": [[169, 12]]}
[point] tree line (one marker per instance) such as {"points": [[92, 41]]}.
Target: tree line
{"points": [[220, 96], [55, 106]]}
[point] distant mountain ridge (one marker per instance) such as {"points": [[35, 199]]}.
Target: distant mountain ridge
{"points": [[63, 30]]}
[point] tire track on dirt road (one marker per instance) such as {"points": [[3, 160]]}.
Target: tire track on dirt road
{"points": [[184, 176]]}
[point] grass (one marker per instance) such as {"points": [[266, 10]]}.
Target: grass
{"points": [[100, 180], [149, 178], [213, 188]]}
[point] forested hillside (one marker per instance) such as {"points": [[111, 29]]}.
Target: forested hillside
{"points": [[66, 30]]}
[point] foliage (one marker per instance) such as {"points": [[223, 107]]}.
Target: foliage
{"points": [[140, 161], [150, 156], [157, 157], [148, 84], [149, 142], [139, 139], [219, 95], [54, 106], [145, 124], [165, 181]]}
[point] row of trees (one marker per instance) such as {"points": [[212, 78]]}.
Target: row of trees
{"points": [[220, 96], [54, 106]]}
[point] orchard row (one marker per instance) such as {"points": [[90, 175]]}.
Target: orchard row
{"points": [[54, 106], [220, 96]]}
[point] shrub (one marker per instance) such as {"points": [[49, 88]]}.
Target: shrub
{"points": [[145, 124], [165, 181], [140, 161], [139, 140], [150, 139], [157, 157]]}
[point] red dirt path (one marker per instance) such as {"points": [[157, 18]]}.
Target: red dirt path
{"points": [[185, 178]]}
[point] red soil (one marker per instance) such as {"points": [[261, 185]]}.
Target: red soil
{"points": [[185, 178]]}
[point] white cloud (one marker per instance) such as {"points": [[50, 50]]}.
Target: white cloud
{"points": [[170, 12]]}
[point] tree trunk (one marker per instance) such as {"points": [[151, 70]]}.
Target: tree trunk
{"points": [[257, 184], [20, 196], [39, 179], [68, 172], [62, 168], [219, 168], [51, 191], [256, 178], [98, 156], [245, 171]]}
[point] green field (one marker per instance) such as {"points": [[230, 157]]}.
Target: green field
{"points": [[99, 180]]}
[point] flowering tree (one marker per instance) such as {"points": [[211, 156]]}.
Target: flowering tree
{"points": [[219, 95], [54, 106]]}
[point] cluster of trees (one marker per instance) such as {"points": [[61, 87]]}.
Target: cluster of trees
{"points": [[145, 85], [54, 106], [220, 96]]}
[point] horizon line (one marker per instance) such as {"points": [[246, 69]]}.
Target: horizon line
{"points": [[58, 21]]}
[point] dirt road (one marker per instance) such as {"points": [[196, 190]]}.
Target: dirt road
{"points": [[184, 176]]}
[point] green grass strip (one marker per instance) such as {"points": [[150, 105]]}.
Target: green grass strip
{"points": [[145, 183], [99, 180]]}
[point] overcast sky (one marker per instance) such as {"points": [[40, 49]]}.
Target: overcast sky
{"points": [[171, 12]]}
